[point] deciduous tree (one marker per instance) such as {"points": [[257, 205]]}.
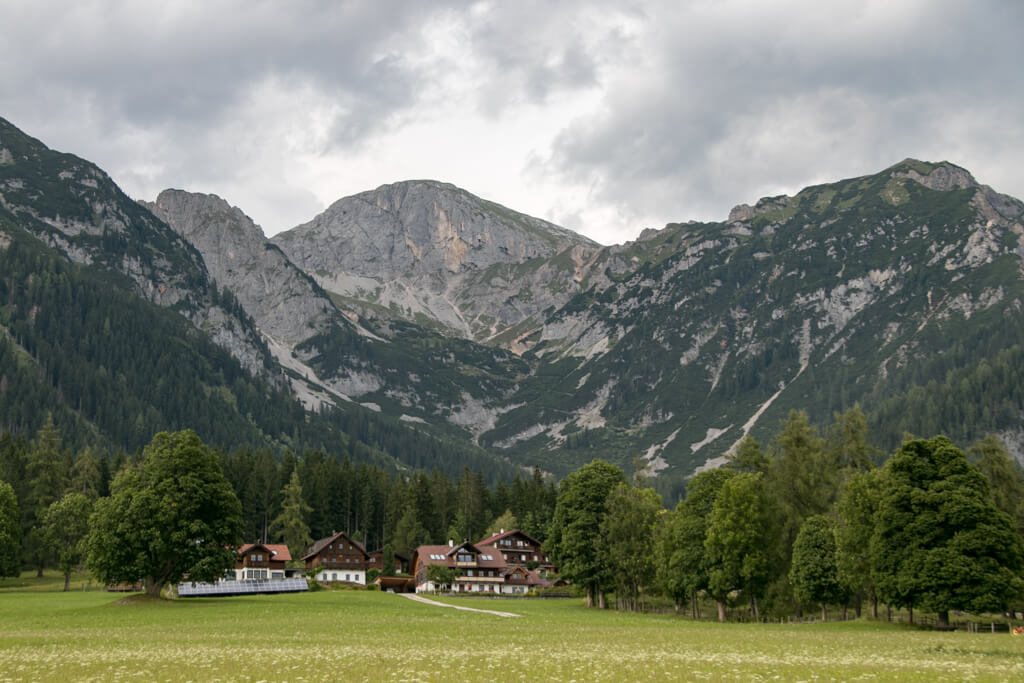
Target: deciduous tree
{"points": [[940, 543], [814, 573], [574, 535], [174, 515], [65, 527], [627, 532], [854, 526], [739, 541], [682, 564]]}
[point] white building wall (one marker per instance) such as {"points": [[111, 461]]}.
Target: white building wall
{"points": [[346, 575]]}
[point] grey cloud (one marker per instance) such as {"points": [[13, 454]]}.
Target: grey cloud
{"points": [[713, 124]]}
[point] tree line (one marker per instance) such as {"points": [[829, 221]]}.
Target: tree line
{"points": [[290, 497], [808, 521]]}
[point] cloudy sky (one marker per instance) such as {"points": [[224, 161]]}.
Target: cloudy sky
{"points": [[605, 117]]}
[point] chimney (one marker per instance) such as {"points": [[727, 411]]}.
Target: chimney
{"points": [[451, 543], [502, 531]]}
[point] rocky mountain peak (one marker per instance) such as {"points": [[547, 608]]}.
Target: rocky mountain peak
{"points": [[420, 227], [285, 302]]}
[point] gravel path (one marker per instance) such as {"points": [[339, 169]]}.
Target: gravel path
{"points": [[427, 601]]}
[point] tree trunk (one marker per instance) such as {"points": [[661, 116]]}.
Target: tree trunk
{"points": [[590, 597], [153, 587], [67, 581], [844, 612], [721, 610], [757, 612], [824, 614], [874, 606], [944, 619], [602, 600], [910, 609]]}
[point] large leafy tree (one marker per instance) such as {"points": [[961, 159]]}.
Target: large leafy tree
{"points": [[628, 532], [10, 532], [65, 528], [740, 540], [170, 517], [939, 542], [574, 536], [814, 573]]}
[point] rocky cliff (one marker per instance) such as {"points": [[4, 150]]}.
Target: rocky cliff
{"points": [[429, 252]]}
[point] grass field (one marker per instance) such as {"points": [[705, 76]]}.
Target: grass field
{"points": [[361, 635]]}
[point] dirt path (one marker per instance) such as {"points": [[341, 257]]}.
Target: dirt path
{"points": [[427, 601]]}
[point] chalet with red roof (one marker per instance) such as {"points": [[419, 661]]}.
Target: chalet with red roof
{"points": [[483, 567], [517, 548], [338, 558], [262, 561]]}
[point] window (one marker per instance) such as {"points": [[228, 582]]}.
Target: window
{"points": [[469, 572], [253, 558], [464, 557], [348, 577]]}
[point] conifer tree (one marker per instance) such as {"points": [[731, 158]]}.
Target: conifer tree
{"points": [[10, 532], [291, 525], [46, 477]]}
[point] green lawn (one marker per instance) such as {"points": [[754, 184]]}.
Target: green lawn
{"points": [[361, 635]]}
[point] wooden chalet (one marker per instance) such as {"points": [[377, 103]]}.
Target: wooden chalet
{"points": [[377, 561], [262, 561], [338, 558], [483, 567], [517, 548]]}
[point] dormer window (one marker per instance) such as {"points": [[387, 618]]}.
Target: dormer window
{"points": [[464, 557]]}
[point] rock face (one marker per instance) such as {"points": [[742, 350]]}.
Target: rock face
{"points": [[427, 251], [286, 303]]}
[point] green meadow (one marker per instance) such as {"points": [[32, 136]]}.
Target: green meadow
{"points": [[365, 635]]}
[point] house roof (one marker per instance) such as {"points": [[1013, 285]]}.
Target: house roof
{"points": [[511, 532], [324, 542], [445, 554], [277, 551]]}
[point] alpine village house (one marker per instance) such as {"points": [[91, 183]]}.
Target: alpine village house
{"points": [[500, 564]]}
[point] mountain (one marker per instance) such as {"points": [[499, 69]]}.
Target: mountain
{"points": [[434, 254], [419, 323], [694, 335], [112, 322], [674, 346]]}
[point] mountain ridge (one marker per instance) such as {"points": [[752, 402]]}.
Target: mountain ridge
{"points": [[551, 351]]}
